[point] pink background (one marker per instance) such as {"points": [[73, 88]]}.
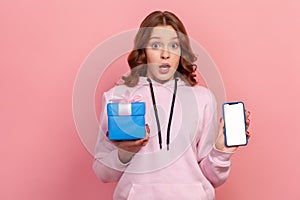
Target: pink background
{"points": [[255, 45]]}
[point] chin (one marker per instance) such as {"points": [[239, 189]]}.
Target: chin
{"points": [[164, 79]]}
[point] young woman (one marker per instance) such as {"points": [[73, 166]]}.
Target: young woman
{"points": [[183, 155]]}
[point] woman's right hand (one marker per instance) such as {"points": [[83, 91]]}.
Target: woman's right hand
{"points": [[128, 148]]}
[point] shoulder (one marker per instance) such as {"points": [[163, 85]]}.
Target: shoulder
{"points": [[203, 94], [201, 89], [198, 97], [122, 91], [115, 91]]}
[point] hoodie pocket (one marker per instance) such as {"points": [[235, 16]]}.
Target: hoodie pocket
{"points": [[162, 191]]}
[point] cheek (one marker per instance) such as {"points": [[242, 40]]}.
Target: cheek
{"points": [[152, 56], [176, 60]]}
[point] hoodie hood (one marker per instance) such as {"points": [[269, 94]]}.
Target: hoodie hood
{"points": [[168, 84]]}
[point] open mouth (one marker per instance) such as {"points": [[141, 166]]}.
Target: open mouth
{"points": [[164, 66], [163, 69]]}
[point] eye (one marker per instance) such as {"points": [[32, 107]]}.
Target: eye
{"points": [[155, 45], [174, 45]]}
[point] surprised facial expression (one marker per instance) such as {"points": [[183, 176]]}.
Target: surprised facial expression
{"points": [[163, 54]]}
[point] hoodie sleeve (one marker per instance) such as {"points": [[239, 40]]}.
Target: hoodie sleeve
{"points": [[214, 164], [107, 166]]}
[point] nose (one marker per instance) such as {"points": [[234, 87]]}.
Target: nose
{"points": [[165, 54]]}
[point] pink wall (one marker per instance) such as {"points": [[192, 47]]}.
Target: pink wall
{"points": [[255, 45]]}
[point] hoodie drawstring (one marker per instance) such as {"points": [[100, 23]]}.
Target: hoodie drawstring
{"points": [[156, 113]]}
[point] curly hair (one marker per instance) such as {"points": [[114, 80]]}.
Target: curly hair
{"points": [[137, 59]]}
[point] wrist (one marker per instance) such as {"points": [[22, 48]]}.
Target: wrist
{"points": [[125, 156], [226, 149]]}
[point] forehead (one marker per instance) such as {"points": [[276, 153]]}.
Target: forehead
{"points": [[163, 32]]}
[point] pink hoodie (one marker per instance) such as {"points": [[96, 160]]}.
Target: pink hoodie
{"points": [[190, 169]]}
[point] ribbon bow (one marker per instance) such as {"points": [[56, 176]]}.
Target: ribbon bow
{"points": [[126, 98]]}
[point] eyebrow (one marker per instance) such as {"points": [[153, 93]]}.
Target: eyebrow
{"points": [[156, 37]]}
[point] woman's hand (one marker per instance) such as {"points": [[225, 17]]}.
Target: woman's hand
{"points": [[220, 143], [128, 148]]}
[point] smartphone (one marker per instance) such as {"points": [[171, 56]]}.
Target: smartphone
{"points": [[235, 124]]}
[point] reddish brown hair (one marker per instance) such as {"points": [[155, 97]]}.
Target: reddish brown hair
{"points": [[137, 59]]}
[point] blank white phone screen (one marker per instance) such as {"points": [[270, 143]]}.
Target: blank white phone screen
{"points": [[235, 124]]}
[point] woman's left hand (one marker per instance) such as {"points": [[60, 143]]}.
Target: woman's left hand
{"points": [[220, 143]]}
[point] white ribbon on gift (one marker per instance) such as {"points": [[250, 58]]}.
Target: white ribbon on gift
{"points": [[124, 109]]}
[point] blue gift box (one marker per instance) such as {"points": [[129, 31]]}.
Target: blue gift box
{"points": [[126, 121]]}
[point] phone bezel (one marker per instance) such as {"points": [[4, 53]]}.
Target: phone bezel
{"points": [[223, 115]]}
